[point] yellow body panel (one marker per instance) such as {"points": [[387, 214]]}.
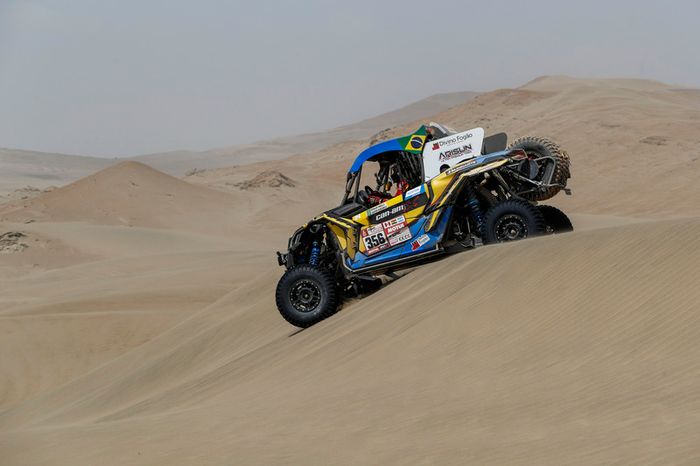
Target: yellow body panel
{"points": [[432, 221], [441, 190], [439, 184], [344, 231], [339, 235], [412, 215]]}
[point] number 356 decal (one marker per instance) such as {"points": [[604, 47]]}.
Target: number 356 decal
{"points": [[375, 240]]}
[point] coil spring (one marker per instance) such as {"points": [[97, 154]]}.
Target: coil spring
{"points": [[473, 203], [315, 253]]}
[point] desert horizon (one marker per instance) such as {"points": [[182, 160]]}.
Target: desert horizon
{"points": [[138, 321]]}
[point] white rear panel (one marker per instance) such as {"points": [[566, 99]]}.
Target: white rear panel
{"points": [[451, 150]]}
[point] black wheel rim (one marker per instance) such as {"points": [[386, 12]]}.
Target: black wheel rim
{"points": [[510, 228], [305, 295]]}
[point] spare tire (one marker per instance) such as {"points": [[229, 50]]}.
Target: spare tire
{"points": [[542, 147]]}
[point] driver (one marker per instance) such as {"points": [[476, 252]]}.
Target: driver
{"points": [[375, 197], [401, 183]]}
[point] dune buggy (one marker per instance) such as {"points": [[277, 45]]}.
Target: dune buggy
{"points": [[434, 192]]}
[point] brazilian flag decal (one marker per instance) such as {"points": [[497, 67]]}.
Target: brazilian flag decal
{"points": [[414, 142]]}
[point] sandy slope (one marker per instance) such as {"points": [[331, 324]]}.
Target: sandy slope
{"points": [[138, 327], [496, 356]]}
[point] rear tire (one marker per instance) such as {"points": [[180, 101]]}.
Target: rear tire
{"points": [[512, 220], [306, 295], [555, 219]]}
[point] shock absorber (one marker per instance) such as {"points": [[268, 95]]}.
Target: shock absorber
{"points": [[315, 253], [475, 209]]}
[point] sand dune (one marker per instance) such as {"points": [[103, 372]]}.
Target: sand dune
{"points": [[128, 193], [23, 172], [634, 144], [138, 326], [181, 162], [20, 169], [495, 356]]}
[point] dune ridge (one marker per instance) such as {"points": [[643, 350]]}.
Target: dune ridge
{"points": [[128, 193]]}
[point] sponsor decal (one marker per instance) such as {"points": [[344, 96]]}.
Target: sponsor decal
{"points": [[394, 225], [389, 225], [445, 153], [451, 141], [403, 236], [394, 221], [376, 238], [416, 201], [377, 208], [413, 192], [420, 241], [452, 153], [373, 230], [393, 229], [388, 213]]}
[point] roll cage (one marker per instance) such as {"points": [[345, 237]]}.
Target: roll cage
{"points": [[405, 152]]}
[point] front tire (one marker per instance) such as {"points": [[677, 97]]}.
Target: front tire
{"points": [[306, 295], [555, 219], [512, 220]]}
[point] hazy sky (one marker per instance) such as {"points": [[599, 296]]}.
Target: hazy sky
{"points": [[125, 77]]}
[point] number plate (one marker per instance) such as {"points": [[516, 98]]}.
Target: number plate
{"points": [[390, 233]]}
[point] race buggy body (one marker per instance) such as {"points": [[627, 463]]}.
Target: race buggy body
{"points": [[435, 192]]}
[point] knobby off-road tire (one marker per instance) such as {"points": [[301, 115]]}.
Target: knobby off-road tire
{"points": [[512, 220], [555, 219], [539, 147], [306, 295]]}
